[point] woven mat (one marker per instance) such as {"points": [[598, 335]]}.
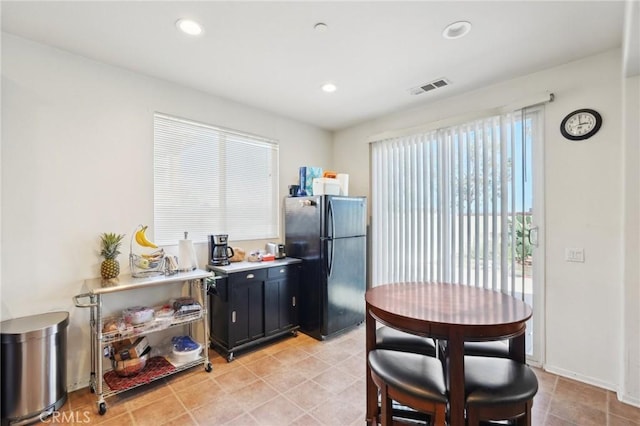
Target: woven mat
{"points": [[156, 367]]}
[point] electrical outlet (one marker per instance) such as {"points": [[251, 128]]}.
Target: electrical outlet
{"points": [[574, 254]]}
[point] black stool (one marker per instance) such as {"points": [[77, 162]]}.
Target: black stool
{"points": [[496, 349], [396, 340], [414, 380], [498, 389]]}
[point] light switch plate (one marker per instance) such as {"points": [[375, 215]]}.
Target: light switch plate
{"points": [[574, 254]]}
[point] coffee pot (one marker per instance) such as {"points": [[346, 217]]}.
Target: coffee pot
{"points": [[219, 251]]}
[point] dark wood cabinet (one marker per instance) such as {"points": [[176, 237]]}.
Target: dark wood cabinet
{"points": [[246, 310], [280, 299], [253, 306]]}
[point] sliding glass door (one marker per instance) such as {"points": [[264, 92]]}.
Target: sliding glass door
{"points": [[459, 204]]}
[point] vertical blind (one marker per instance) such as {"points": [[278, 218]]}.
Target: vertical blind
{"points": [[446, 206], [209, 180]]}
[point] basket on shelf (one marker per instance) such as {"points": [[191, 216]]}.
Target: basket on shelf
{"points": [[144, 264], [141, 267]]}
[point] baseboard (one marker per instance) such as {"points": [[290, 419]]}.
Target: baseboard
{"points": [[77, 385], [581, 378], [631, 400]]}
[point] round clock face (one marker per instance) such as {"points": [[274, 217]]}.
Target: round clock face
{"points": [[581, 124]]}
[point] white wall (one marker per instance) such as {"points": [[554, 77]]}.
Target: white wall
{"points": [[583, 205], [630, 371], [77, 146]]}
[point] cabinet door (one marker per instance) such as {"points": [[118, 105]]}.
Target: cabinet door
{"points": [[246, 313], [271, 306], [280, 304], [289, 300]]}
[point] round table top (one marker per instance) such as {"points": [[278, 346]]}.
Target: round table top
{"points": [[435, 308]]}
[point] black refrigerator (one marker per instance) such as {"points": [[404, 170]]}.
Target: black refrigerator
{"points": [[328, 232]]}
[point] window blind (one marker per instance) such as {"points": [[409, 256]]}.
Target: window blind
{"points": [[445, 204], [210, 180]]}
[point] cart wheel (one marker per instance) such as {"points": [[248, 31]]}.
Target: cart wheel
{"points": [[294, 333], [102, 408], [92, 389], [230, 357], [208, 368]]}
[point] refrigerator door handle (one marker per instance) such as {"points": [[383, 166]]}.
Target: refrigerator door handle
{"points": [[331, 218], [329, 256]]}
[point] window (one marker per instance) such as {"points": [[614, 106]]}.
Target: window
{"points": [[449, 204], [210, 180]]}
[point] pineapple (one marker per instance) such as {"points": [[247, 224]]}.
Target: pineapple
{"points": [[110, 267]]}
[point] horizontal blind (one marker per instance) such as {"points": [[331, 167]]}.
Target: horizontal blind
{"points": [[444, 204], [210, 180]]}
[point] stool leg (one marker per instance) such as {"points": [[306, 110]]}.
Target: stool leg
{"points": [[472, 417], [387, 410], [525, 420], [439, 418]]}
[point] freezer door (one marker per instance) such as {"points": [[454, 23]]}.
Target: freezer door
{"points": [[345, 216], [345, 266], [302, 227]]}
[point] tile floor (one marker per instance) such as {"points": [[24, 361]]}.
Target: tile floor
{"points": [[300, 381]]}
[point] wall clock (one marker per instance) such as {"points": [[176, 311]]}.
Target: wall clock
{"points": [[581, 124]]}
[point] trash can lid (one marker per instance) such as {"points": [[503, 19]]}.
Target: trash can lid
{"points": [[33, 326]]}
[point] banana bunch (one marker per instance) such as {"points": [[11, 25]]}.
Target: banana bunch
{"points": [[141, 238]]}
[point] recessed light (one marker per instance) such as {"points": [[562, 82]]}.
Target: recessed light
{"points": [[329, 87], [188, 26], [457, 29], [320, 26]]}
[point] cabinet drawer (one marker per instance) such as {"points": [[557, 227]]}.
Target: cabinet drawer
{"points": [[248, 276], [281, 271]]}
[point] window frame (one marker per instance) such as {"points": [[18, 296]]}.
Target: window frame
{"points": [[226, 177]]}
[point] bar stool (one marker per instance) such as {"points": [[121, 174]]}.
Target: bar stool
{"points": [[396, 340], [498, 389], [414, 380], [497, 349]]}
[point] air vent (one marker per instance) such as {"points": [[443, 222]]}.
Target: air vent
{"points": [[436, 84]]}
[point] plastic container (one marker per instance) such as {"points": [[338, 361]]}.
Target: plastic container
{"points": [[164, 316], [34, 366], [185, 349], [138, 315]]}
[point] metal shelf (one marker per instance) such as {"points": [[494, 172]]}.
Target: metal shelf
{"points": [[150, 327], [97, 289], [151, 376]]}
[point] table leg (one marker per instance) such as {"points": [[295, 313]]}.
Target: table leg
{"points": [[456, 378], [517, 348], [372, 390]]}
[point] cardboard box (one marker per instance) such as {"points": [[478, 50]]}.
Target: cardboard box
{"points": [[326, 186], [127, 349]]}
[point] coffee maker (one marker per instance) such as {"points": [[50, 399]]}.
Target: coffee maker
{"points": [[219, 251]]}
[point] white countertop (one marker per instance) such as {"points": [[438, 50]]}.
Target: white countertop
{"points": [[247, 266]]}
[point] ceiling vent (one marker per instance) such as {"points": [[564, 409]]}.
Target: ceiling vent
{"points": [[436, 84]]}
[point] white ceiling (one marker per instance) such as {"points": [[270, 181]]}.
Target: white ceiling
{"points": [[267, 54]]}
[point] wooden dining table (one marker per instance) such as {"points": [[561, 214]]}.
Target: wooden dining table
{"points": [[452, 312]]}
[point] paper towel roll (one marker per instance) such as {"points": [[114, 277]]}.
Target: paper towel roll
{"points": [[343, 178], [187, 260]]}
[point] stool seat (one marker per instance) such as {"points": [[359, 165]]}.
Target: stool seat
{"points": [[390, 338], [414, 380], [498, 349], [498, 389]]}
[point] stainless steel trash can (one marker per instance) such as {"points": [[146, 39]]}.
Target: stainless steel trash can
{"points": [[34, 366]]}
